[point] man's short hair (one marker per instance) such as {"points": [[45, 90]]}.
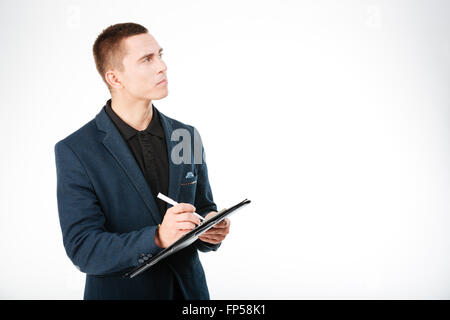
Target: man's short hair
{"points": [[108, 49]]}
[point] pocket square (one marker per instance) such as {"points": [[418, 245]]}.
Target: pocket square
{"points": [[189, 175]]}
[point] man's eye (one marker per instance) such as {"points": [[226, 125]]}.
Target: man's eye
{"points": [[149, 58]]}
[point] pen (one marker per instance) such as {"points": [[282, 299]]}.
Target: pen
{"points": [[174, 203]]}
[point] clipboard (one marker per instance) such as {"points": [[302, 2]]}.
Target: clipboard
{"points": [[186, 239]]}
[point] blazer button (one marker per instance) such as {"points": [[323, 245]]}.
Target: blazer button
{"points": [[149, 255], [141, 260], [145, 258]]}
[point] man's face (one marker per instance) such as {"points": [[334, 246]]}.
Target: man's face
{"points": [[143, 68]]}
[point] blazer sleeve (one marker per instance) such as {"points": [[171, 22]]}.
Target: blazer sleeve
{"points": [[204, 202], [90, 247]]}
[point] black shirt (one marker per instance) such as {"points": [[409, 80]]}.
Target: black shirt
{"points": [[150, 151]]}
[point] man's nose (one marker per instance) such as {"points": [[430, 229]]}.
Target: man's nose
{"points": [[163, 65]]}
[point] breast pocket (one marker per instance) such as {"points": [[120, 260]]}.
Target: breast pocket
{"points": [[188, 186]]}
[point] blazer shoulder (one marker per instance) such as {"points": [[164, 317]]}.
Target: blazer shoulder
{"points": [[82, 137]]}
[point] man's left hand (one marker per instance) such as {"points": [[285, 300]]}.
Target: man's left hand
{"points": [[217, 233]]}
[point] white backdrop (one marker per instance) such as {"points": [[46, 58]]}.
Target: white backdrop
{"points": [[331, 116]]}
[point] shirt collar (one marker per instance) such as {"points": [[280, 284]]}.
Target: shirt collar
{"points": [[127, 131]]}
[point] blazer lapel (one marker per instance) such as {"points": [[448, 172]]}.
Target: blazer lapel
{"points": [[115, 144]]}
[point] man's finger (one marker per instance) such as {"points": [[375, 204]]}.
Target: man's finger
{"points": [[212, 232], [187, 217], [215, 239], [185, 226], [182, 207], [223, 224]]}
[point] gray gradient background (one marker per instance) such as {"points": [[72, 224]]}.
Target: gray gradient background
{"points": [[331, 116]]}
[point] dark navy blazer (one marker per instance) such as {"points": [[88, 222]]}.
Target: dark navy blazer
{"points": [[109, 216]]}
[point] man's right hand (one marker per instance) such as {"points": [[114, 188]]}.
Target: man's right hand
{"points": [[178, 221]]}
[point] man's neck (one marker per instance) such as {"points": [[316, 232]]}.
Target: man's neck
{"points": [[136, 113]]}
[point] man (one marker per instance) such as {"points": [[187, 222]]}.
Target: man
{"points": [[110, 170]]}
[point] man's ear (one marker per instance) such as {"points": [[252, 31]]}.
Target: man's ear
{"points": [[113, 80]]}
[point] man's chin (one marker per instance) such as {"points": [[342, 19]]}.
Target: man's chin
{"points": [[160, 96]]}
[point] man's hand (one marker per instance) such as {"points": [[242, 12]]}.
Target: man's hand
{"points": [[217, 233], [177, 221]]}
